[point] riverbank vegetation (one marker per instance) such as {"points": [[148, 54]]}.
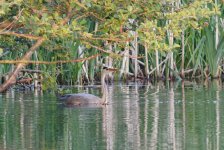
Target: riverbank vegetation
{"points": [[55, 42]]}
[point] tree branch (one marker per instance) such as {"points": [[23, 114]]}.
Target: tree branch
{"points": [[28, 36], [111, 53], [47, 62]]}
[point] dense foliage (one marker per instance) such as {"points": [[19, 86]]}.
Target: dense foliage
{"points": [[55, 36]]}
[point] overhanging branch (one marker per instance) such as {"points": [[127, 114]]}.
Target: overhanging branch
{"points": [[47, 62]]}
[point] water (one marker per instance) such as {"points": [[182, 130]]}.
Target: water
{"points": [[162, 116]]}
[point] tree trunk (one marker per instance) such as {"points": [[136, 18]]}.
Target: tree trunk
{"points": [[146, 62], [125, 63], [217, 74], [109, 61], [182, 55], [136, 54], [171, 56], [157, 65]]}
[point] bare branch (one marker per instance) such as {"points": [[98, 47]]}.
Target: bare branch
{"points": [[111, 53], [47, 62], [28, 36]]}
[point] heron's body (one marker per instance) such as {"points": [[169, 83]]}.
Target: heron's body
{"points": [[80, 99], [84, 99]]}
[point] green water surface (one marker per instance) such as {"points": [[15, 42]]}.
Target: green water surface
{"points": [[162, 116]]}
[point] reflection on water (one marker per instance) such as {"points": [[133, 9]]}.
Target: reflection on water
{"points": [[173, 116]]}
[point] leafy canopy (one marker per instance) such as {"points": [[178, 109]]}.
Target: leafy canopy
{"points": [[71, 20]]}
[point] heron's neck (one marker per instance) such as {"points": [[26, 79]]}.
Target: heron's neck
{"points": [[104, 89]]}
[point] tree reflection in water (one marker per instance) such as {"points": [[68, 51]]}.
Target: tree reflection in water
{"points": [[185, 115]]}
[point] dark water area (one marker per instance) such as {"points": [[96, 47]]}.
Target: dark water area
{"points": [[162, 116]]}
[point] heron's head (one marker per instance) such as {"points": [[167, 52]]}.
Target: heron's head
{"points": [[107, 70]]}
